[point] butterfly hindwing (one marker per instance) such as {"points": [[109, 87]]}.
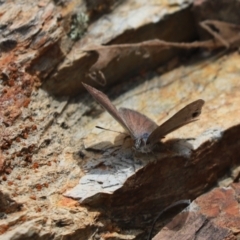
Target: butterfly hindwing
{"points": [[137, 123]]}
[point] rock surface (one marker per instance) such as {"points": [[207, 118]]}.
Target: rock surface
{"points": [[214, 215], [196, 156], [50, 149]]}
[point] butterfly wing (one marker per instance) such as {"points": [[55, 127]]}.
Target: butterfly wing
{"points": [[137, 123], [104, 101], [186, 115]]}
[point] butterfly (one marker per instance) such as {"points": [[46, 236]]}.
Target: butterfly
{"points": [[144, 131]]}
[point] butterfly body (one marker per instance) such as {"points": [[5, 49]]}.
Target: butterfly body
{"points": [[141, 145], [144, 131]]}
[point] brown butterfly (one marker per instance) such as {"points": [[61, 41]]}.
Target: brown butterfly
{"points": [[145, 132]]}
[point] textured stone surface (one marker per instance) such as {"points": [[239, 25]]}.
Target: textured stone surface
{"points": [[49, 160], [131, 21], [214, 215], [191, 167], [49, 145]]}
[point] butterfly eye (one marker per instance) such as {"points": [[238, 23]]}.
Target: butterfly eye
{"points": [[196, 114]]}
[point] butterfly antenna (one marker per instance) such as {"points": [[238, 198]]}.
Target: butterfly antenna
{"points": [[106, 129]]}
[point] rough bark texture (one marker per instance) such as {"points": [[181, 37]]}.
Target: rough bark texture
{"points": [[61, 177]]}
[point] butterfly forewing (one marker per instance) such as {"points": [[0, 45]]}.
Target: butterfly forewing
{"points": [[102, 99], [137, 123], [186, 115]]}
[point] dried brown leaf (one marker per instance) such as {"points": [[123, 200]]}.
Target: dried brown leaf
{"points": [[224, 35]]}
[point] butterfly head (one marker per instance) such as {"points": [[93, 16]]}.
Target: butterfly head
{"points": [[141, 144]]}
